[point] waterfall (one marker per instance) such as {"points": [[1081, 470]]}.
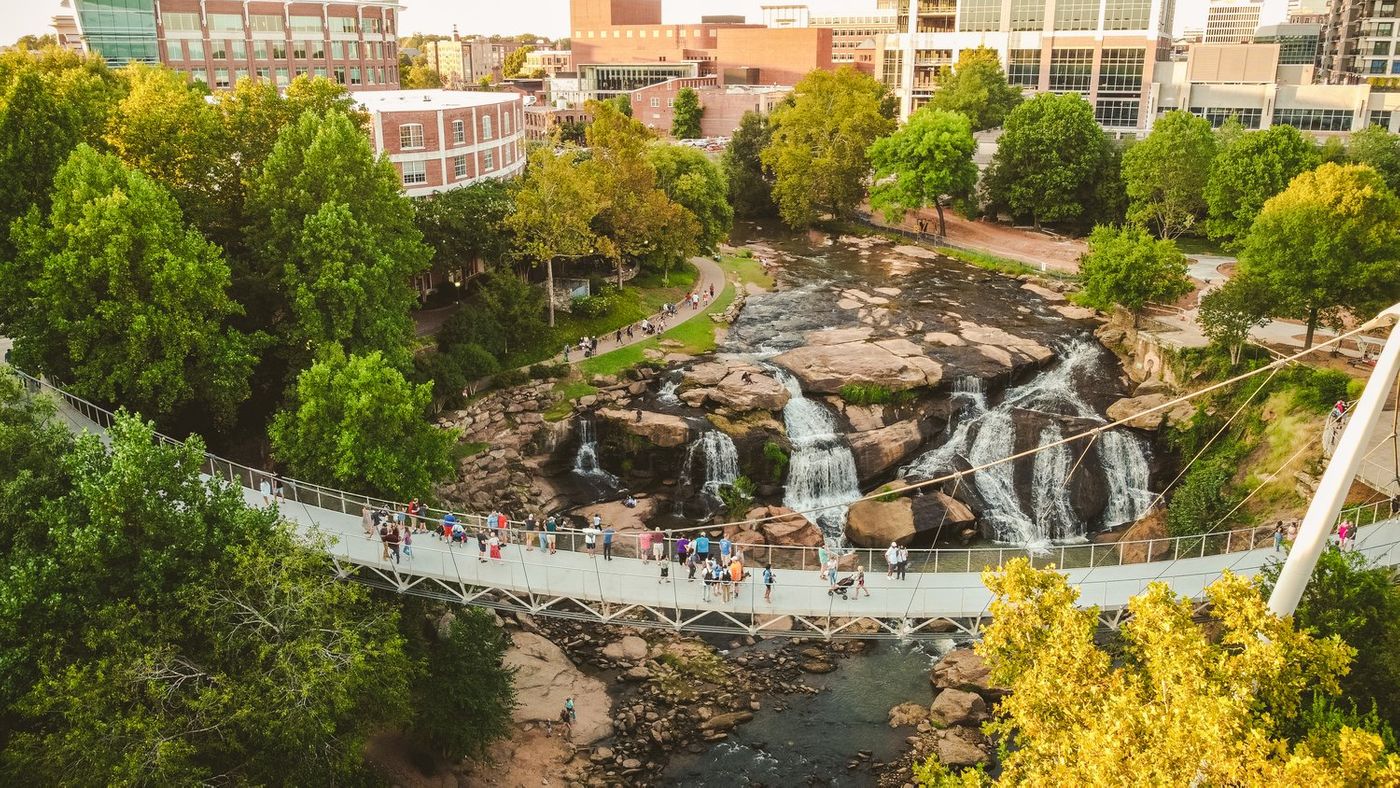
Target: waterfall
{"points": [[667, 393], [716, 451], [981, 434], [822, 470], [586, 460]]}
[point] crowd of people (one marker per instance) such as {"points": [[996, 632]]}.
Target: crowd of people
{"points": [[587, 347], [1286, 535]]}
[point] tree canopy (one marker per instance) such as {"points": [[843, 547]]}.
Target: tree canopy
{"points": [[1250, 169], [1228, 313], [119, 299], [1328, 241], [691, 179], [976, 86], [818, 152], [468, 223], [750, 186], [1172, 704], [1165, 174], [926, 159], [1378, 149], [1050, 160], [1127, 267], [686, 113]]}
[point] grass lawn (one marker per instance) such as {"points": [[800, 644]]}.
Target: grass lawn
{"points": [[1001, 265], [696, 336], [1190, 244], [568, 390], [748, 270]]}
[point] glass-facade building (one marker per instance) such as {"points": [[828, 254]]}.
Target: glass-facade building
{"points": [[121, 30]]}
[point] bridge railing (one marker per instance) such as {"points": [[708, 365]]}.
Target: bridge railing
{"points": [[629, 543]]}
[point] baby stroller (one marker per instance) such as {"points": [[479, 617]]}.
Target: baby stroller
{"points": [[842, 587]]}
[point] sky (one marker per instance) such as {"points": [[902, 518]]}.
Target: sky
{"points": [[541, 17]]}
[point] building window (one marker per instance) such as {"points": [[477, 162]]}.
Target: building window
{"points": [[979, 15], [1249, 117], [194, 50], [505, 124], [1315, 119], [1127, 14], [279, 50], [221, 78], [218, 50], [238, 50], [239, 74], [415, 172], [373, 25], [1023, 67], [283, 77], [264, 74], [320, 71], [1070, 70], [352, 50], [340, 75], [265, 23], [174, 51], [354, 75], [1117, 113], [318, 50], [225, 23], [200, 75], [459, 132], [1379, 117], [459, 167], [1380, 48], [306, 24], [1076, 15], [181, 22], [1027, 14], [260, 50], [488, 159], [380, 71], [299, 49], [410, 136], [1120, 70], [1376, 67], [486, 127], [343, 24], [655, 102]]}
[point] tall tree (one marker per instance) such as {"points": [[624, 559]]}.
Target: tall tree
{"points": [[686, 114], [334, 244], [976, 86], [750, 187], [1127, 267], [554, 212], [691, 179], [121, 300], [1174, 704], [1248, 171], [1229, 312], [1049, 162], [515, 61], [1378, 149], [928, 158], [467, 224], [355, 422], [1165, 174], [818, 153], [1330, 240]]}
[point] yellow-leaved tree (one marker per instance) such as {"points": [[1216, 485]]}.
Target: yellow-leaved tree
{"points": [[1182, 702]]}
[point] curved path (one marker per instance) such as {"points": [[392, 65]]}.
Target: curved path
{"points": [[946, 599]]}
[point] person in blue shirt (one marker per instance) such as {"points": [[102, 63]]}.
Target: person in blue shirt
{"points": [[724, 546], [607, 542], [702, 547], [767, 582]]}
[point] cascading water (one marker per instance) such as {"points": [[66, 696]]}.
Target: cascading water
{"points": [[716, 453], [666, 394], [822, 476], [983, 434], [586, 460]]}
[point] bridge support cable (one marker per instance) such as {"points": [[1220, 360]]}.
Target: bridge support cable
{"points": [[1336, 481]]}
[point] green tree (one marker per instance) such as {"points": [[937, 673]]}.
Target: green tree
{"points": [[1229, 312], [508, 313], [691, 179], [463, 680], [355, 422], [976, 86], [121, 300], [419, 76], [334, 242], [1165, 174], [209, 641], [1248, 171], [818, 152], [1173, 704], [1049, 161], [1378, 149], [1349, 598], [928, 158], [554, 212], [622, 103], [1127, 267], [515, 61], [685, 118], [467, 224], [750, 187], [1328, 241]]}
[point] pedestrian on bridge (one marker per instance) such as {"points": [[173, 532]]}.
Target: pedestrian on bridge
{"points": [[551, 528], [768, 583], [903, 566], [1278, 537], [644, 546], [821, 561], [481, 547], [607, 542], [366, 518], [891, 559], [658, 547], [590, 536], [702, 547]]}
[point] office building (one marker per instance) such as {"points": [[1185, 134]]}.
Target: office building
{"points": [[1358, 42], [218, 42], [548, 62], [1232, 22], [446, 139], [1298, 43], [855, 37]]}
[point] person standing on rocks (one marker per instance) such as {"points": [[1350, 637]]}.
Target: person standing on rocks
{"points": [[607, 542], [892, 560]]}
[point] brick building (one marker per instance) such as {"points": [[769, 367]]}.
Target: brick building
{"points": [[724, 105], [218, 42], [445, 139]]}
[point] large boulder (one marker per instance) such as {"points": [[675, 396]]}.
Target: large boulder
{"points": [[961, 748], [826, 368], [907, 715], [724, 385], [874, 524], [1146, 539], [1134, 410], [964, 669], [958, 707], [786, 529], [877, 451], [630, 648], [936, 511], [545, 678], [659, 429]]}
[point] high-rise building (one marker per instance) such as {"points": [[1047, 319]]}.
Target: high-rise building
{"points": [[218, 42], [1103, 50], [855, 37], [1232, 21], [465, 62], [1359, 42]]}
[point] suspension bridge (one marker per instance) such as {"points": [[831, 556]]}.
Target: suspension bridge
{"points": [[941, 596]]}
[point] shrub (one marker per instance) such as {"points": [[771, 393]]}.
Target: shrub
{"points": [[548, 371], [738, 497], [592, 307], [777, 458], [1203, 499], [1320, 388], [865, 394], [511, 377]]}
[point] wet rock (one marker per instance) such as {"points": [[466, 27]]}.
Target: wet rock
{"points": [[826, 368], [961, 748], [962, 668], [907, 714], [1133, 409], [958, 707], [816, 666], [727, 721], [786, 529], [876, 451], [659, 429]]}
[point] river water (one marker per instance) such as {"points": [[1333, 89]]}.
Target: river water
{"points": [[812, 741]]}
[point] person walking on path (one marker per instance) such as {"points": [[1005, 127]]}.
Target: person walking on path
{"points": [[1278, 537], [391, 540], [702, 547], [768, 583], [860, 582], [831, 568], [682, 550], [607, 542], [891, 559], [406, 536], [691, 561], [265, 487]]}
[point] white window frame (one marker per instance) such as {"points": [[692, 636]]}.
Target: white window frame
{"points": [[486, 127], [459, 132], [409, 134], [415, 173]]}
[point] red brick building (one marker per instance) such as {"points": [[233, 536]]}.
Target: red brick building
{"points": [[445, 139], [724, 106]]}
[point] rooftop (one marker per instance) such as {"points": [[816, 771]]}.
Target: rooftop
{"points": [[390, 100]]}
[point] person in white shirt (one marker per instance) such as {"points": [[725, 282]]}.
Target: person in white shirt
{"points": [[891, 559]]}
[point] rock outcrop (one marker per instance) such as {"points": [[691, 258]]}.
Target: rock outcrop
{"points": [[1133, 409], [630, 648], [907, 715], [875, 524], [724, 385], [964, 669], [1136, 545], [877, 451], [958, 707], [896, 364], [787, 529], [659, 429], [545, 678]]}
